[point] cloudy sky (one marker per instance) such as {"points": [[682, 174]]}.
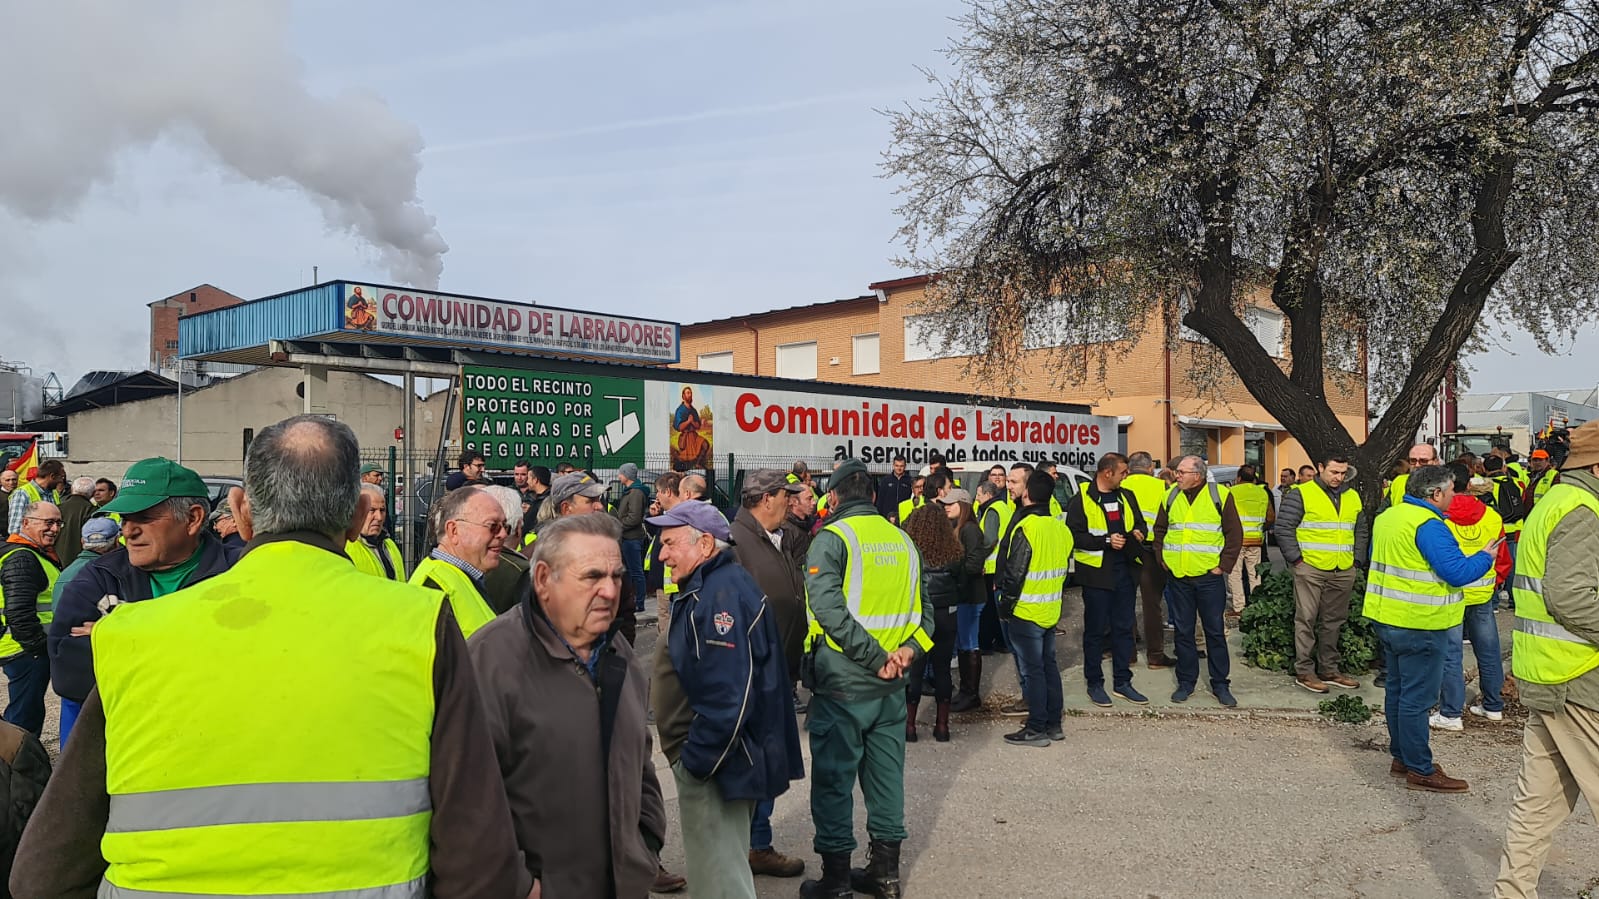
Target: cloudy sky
{"points": [[686, 161]]}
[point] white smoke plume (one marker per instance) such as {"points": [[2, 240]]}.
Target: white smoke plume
{"points": [[85, 80]]}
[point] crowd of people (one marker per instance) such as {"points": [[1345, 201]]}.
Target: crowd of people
{"points": [[483, 721]]}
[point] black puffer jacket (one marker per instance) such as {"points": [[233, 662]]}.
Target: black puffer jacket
{"points": [[973, 589], [941, 586], [23, 577], [24, 771]]}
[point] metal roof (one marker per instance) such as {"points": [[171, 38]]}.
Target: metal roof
{"points": [[770, 312]]}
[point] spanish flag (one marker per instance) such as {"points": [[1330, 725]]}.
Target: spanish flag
{"points": [[28, 464]]}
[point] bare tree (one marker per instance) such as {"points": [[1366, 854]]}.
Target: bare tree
{"points": [[1376, 171]]}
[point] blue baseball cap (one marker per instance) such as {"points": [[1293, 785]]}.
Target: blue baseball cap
{"points": [[100, 533], [700, 516]]}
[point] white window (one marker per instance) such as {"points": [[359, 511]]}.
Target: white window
{"points": [[924, 339], [716, 362], [1046, 328], [1267, 326], [863, 354], [797, 360]]}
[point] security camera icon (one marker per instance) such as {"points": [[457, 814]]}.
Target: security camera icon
{"points": [[621, 432]]}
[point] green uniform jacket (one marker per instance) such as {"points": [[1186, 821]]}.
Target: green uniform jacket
{"points": [[850, 675]]}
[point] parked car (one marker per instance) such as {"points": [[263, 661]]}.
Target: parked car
{"points": [[970, 474], [217, 489]]}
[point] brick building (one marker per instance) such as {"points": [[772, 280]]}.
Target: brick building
{"points": [[164, 315], [876, 340]]}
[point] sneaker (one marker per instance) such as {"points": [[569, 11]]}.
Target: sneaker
{"points": [[1436, 782], [1224, 696], [1181, 694], [1342, 680], [1017, 709], [1439, 722], [1312, 684], [1381, 680], [1057, 734], [1481, 712], [1126, 692], [1096, 695], [1028, 737]]}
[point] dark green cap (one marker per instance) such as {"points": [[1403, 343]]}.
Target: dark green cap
{"points": [[152, 481], [369, 467]]}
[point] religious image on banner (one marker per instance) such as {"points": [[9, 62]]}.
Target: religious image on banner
{"points": [[360, 312], [691, 429]]}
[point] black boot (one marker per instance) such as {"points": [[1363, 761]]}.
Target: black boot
{"points": [[966, 695], [835, 882], [880, 877], [910, 720]]}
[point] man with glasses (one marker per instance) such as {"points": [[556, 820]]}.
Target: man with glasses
{"points": [[471, 466], [1421, 455], [1198, 537], [471, 529], [28, 572]]}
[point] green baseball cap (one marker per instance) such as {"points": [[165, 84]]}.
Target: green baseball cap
{"points": [[369, 467], [151, 481]]}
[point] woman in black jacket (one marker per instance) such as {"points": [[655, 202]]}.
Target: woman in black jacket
{"points": [[973, 596], [942, 561]]}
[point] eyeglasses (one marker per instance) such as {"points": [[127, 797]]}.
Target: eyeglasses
{"points": [[48, 523], [1188, 471], [1420, 461], [493, 527]]}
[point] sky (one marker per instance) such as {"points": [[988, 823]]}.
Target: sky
{"points": [[684, 161]]}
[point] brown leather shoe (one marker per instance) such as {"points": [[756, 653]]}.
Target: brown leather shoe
{"points": [[1313, 684], [1156, 663], [1436, 782], [667, 882], [775, 864], [1398, 769], [1342, 680]]}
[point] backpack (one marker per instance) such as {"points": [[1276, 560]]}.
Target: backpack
{"points": [[1508, 500]]}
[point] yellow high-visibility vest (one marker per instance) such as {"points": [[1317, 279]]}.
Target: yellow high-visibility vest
{"points": [[1396, 490], [1150, 492], [365, 557], [214, 788], [1326, 534], [1545, 481], [44, 602], [1194, 539], [1474, 538], [471, 610], [1252, 502], [882, 584], [1543, 651], [1402, 590], [1099, 526], [1003, 511], [1051, 544], [907, 506]]}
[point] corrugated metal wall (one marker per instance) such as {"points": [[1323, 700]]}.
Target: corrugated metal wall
{"points": [[298, 314]]}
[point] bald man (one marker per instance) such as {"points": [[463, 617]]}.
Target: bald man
{"points": [[1420, 456]]}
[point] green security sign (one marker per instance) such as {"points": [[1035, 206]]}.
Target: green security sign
{"points": [[512, 416]]}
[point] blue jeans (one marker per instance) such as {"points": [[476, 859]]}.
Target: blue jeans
{"points": [[1415, 671], [633, 558], [761, 825], [1110, 609], [968, 622], [1206, 596], [1483, 631], [69, 716], [1034, 648], [29, 676]]}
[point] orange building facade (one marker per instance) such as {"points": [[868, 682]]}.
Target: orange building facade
{"points": [[876, 340]]}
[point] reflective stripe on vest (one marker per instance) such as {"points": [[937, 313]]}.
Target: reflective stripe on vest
{"points": [[1004, 511], [1474, 538], [1051, 545], [214, 796], [1252, 502], [1098, 526], [471, 610], [1544, 651], [1402, 590], [44, 603], [1326, 535], [882, 583], [1194, 538]]}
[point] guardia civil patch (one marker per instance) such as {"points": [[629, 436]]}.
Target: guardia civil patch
{"points": [[723, 621]]}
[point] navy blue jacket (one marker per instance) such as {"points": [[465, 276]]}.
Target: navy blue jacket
{"points": [[71, 660], [728, 655]]}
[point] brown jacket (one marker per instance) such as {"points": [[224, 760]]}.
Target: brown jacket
{"points": [[780, 574], [569, 799]]}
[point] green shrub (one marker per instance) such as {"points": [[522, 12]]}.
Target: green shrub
{"points": [[1347, 708], [1268, 627]]}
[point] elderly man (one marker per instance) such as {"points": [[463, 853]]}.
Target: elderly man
{"points": [[1198, 537], [8, 488], [769, 548], [1322, 536], [29, 567], [723, 701], [471, 528], [98, 536], [212, 789], [503, 584], [225, 526], [1556, 663], [1422, 455], [578, 493], [567, 708], [44, 487], [1414, 598], [372, 474], [373, 550], [76, 507]]}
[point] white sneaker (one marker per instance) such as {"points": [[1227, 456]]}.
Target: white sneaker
{"points": [[1439, 722], [1481, 712]]}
